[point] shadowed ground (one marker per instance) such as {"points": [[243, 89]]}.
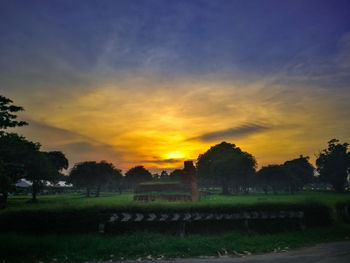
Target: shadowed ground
{"points": [[337, 252]]}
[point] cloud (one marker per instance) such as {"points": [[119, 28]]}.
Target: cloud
{"points": [[163, 161], [239, 131], [75, 146]]}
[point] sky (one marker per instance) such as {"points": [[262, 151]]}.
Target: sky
{"points": [[157, 82]]}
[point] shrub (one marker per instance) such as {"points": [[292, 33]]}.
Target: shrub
{"points": [[343, 210], [71, 220]]}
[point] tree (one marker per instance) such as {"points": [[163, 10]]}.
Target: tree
{"points": [[274, 176], [39, 169], [59, 162], [106, 173], [7, 118], [15, 153], [93, 175], [22, 158], [333, 164], [226, 165], [301, 172], [9, 169], [137, 175], [164, 176], [176, 175]]}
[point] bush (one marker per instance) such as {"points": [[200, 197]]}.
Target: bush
{"points": [[343, 210], [87, 220]]}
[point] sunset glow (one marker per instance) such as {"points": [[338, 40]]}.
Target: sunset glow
{"points": [[133, 86]]}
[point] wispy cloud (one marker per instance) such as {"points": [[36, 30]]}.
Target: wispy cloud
{"points": [[231, 133]]}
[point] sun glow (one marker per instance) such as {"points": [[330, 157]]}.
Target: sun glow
{"points": [[175, 155]]}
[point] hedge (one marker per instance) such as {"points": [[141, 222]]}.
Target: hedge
{"points": [[343, 210], [71, 220]]}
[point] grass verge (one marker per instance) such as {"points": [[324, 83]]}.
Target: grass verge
{"points": [[92, 247]]}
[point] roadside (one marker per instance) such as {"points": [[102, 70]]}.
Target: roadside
{"points": [[336, 252]]}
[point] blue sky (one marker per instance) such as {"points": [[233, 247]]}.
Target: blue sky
{"points": [[60, 58]]}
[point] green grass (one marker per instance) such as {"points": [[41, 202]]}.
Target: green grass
{"points": [[82, 247], [113, 200], [162, 193], [17, 247]]}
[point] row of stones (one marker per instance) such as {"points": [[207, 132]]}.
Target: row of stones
{"points": [[150, 217]]}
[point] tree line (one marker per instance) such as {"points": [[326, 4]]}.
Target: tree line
{"points": [[224, 165]]}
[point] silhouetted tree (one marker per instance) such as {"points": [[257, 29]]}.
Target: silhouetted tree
{"points": [[10, 168], [226, 165], [176, 175], [333, 164], [7, 116], [93, 175], [83, 175], [274, 176], [106, 174], [164, 175], [15, 153], [301, 172], [59, 162], [39, 169], [137, 175], [115, 180]]}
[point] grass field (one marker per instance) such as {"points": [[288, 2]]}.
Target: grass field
{"points": [[110, 200], [20, 247]]}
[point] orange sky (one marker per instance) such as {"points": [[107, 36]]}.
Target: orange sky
{"points": [[155, 83], [161, 123]]}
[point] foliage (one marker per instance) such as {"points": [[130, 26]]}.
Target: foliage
{"points": [[15, 158], [59, 162], [225, 164], [7, 116], [91, 175], [276, 177], [12, 148], [176, 174], [343, 210], [137, 175], [301, 170], [39, 169], [333, 164], [72, 213]]}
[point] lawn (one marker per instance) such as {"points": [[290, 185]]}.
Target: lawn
{"points": [[111, 200], [15, 247]]}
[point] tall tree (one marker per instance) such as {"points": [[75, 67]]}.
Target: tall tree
{"points": [[164, 176], [225, 164], [137, 175], [15, 153], [333, 164], [59, 162], [9, 167], [39, 169], [176, 175], [301, 172], [7, 116], [93, 175], [276, 177]]}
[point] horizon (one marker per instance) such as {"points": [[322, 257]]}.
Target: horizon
{"points": [[155, 83]]}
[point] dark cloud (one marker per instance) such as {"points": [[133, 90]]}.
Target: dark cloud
{"points": [[75, 146], [162, 161], [239, 131]]}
